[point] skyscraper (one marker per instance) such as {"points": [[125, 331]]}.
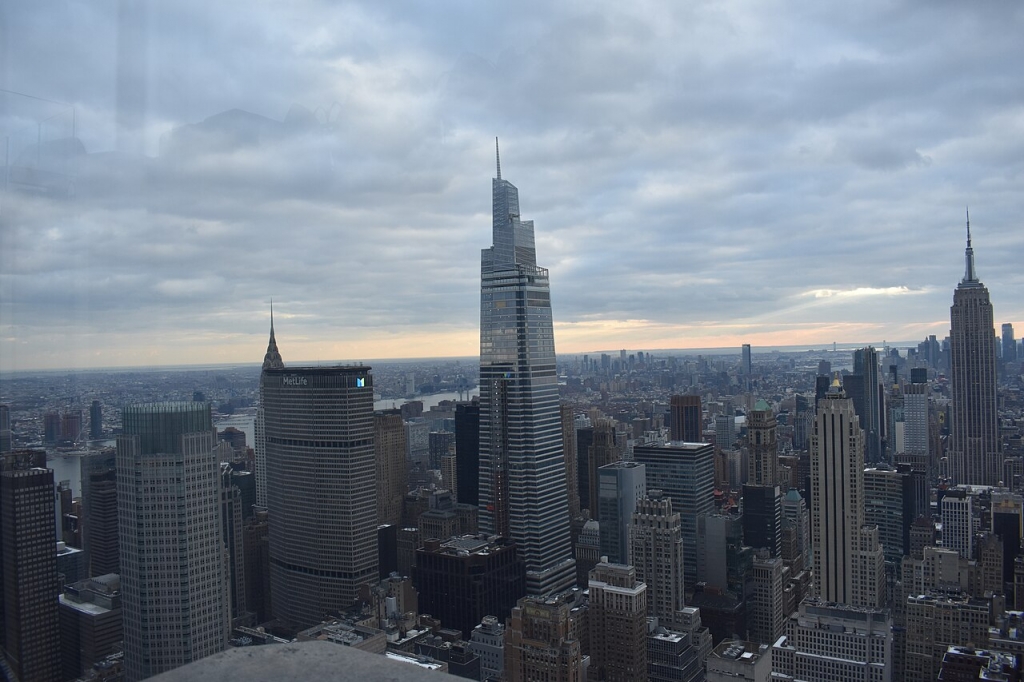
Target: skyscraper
{"points": [[620, 485], [889, 505], [974, 451], [389, 449], [656, 551], [762, 497], [522, 464], [99, 506], [467, 451], [465, 578], [231, 528], [617, 624], [543, 640], [173, 585], [868, 403], [6, 437], [685, 472], [915, 418], [603, 451], [571, 458], [1009, 343], [319, 433], [848, 562], [763, 463], [29, 625], [957, 510], [762, 517], [766, 612], [96, 419], [686, 419]]}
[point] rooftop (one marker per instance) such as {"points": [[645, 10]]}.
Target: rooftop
{"points": [[320, 661], [738, 650]]}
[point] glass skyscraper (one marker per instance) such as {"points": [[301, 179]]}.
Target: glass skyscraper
{"points": [[522, 465]]}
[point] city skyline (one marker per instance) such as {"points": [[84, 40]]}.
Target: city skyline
{"points": [[708, 176]]}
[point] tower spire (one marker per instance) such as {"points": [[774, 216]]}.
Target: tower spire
{"points": [[272, 360], [497, 155], [969, 273]]}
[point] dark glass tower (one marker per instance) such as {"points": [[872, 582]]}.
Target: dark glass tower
{"points": [[467, 452], [99, 504], [865, 365], [96, 420], [522, 465], [29, 624], [686, 418], [974, 450]]}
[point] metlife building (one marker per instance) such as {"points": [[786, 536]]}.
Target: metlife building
{"points": [[321, 495]]}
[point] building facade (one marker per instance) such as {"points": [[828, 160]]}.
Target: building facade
{"points": [[467, 451], [90, 623], [463, 579], [487, 641], [766, 616], [392, 477], [319, 435], [656, 552], [915, 420], [173, 584], [687, 423], [620, 485], [868, 404], [839, 644], [848, 560], [763, 462], [29, 630], [543, 641], [99, 510], [617, 624], [571, 458], [685, 473]]}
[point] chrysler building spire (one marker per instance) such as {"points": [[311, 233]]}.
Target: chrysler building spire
{"points": [[272, 360]]}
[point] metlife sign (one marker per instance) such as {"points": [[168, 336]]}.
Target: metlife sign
{"points": [[294, 380]]}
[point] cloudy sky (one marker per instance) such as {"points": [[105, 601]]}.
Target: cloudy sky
{"points": [[701, 174]]}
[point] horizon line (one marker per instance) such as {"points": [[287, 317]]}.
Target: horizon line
{"points": [[710, 350]]}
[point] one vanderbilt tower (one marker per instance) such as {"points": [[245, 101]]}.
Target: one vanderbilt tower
{"points": [[522, 467]]}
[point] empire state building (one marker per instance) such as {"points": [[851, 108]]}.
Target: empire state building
{"points": [[974, 453], [522, 466]]}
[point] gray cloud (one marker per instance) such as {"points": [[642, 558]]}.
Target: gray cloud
{"points": [[707, 163]]}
